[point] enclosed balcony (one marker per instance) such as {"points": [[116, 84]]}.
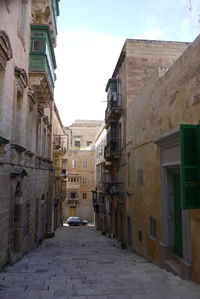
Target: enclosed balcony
{"points": [[114, 103], [59, 146], [45, 12], [74, 182], [42, 63], [114, 107], [112, 150]]}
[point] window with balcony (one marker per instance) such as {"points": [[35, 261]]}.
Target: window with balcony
{"points": [[42, 56]]}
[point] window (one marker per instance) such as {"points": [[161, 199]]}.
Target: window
{"points": [[74, 164], [140, 235], [84, 180], [84, 195], [89, 142], [152, 227], [77, 143], [140, 178], [73, 195], [38, 46], [190, 167], [128, 170], [85, 164], [73, 180]]}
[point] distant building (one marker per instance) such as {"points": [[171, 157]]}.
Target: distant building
{"points": [[80, 165], [60, 146]]}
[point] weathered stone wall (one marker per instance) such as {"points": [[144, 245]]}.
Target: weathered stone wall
{"points": [[83, 154], [26, 169], [163, 104]]}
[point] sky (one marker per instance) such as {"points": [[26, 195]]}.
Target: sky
{"points": [[91, 34]]}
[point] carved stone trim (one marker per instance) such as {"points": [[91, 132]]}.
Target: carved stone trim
{"points": [[38, 81], [31, 98], [5, 49], [29, 153], [3, 141], [45, 119], [22, 79], [18, 171], [40, 110], [7, 5], [17, 147]]}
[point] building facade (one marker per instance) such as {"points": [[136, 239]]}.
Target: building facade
{"points": [[27, 64], [80, 161], [60, 147], [138, 60], [164, 204], [101, 176]]}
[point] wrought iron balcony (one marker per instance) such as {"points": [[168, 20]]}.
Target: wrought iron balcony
{"points": [[114, 107], [112, 150], [73, 202], [114, 190]]}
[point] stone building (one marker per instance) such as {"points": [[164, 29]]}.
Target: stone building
{"points": [[152, 122], [80, 163], [164, 160], [60, 147], [138, 60], [27, 64], [101, 176]]}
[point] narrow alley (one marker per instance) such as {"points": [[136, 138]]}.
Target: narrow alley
{"points": [[80, 263]]}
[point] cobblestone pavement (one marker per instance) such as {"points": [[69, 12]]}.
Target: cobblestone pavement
{"points": [[80, 263]]}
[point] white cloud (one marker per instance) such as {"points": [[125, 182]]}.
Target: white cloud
{"points": [[85, 62]]}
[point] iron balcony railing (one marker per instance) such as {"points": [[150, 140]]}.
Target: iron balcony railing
{"points": [[113, 189], [73, 202], [112, 149]]}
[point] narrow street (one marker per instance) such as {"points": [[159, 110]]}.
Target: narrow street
{"points": [[80, 263]]}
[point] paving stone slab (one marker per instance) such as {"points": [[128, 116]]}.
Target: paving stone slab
{"points": [[83, 264]]}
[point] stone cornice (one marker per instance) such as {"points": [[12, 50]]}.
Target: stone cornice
{"points": [[21, 77], [5, 49]]}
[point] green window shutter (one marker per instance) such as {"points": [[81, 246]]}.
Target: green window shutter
{"points": [[190, 169]]}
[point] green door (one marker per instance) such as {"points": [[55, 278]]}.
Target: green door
{"points": [[178, 238]]}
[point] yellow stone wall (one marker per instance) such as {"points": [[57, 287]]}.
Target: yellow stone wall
{"points": [[162, 105]]}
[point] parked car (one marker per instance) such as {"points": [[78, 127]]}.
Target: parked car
{"points": [[76, 221]]}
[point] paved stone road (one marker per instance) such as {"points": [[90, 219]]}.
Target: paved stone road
{"points": [[80, 263]]}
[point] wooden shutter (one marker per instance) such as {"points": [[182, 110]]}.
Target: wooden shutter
{"points": [[190, 169]]}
